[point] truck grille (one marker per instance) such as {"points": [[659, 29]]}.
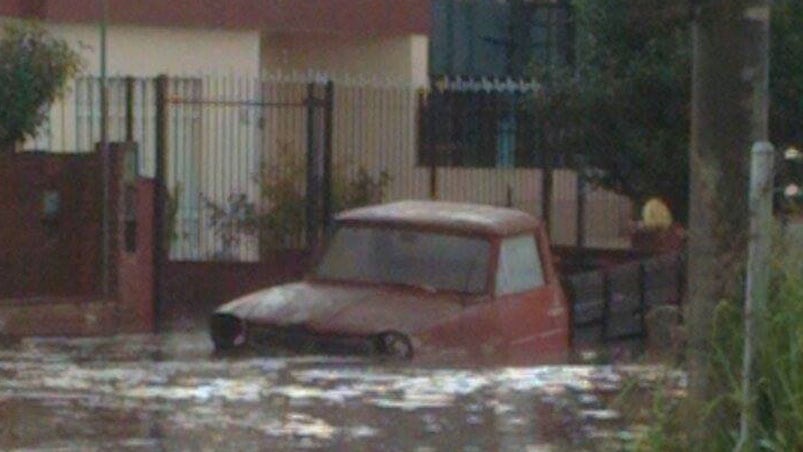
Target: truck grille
{"points": [[300, 339]]}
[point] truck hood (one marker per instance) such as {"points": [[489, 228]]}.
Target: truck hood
{"points": [[335, 308]]}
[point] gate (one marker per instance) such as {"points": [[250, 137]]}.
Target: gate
{"points": [[245, 192], [249, 171]]}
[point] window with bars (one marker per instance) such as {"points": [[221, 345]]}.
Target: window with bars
{"points": [[480, 123]]}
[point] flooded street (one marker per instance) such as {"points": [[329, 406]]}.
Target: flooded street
{"points": [[170, 393]]}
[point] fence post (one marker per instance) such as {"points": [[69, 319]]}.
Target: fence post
{"points": [[160, 196], [642, 288], [607, 294], [571, 293], [129, 109], [681, 275], [313, 167], [427, 147], [547, 192], [581, 211], [329, 98]]}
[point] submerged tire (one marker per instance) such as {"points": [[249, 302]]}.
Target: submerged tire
{"points": [[227, 332], [394, 345]]}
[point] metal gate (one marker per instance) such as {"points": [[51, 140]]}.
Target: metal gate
{"points": [[231, 147], [243, 171]]}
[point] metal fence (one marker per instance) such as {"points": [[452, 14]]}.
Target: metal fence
{"points": [[613, 303], [253, 165]]}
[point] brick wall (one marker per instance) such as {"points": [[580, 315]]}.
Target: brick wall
{"points": [[50, 258], [50, 214], [192, 290]]}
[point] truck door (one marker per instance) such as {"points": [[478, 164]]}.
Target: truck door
{"points": [[530, 302]]}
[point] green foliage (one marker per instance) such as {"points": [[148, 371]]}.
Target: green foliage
{"points": [[283, 221], [622, 114], [779, 369], [786, 76], [279, 218], [34, 70]]}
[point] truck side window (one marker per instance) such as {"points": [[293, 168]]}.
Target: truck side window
{"points": [[519, 266]]}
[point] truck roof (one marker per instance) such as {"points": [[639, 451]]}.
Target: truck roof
{"points": [[445, 216]]}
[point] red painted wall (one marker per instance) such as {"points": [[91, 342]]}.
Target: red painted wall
{"points": [[192, 290], [50, 267], [136, 268], [373, 17], [57, 255]]}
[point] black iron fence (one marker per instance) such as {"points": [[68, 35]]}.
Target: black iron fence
{"points": [[486, 123], [613, 303], [249, 166]]}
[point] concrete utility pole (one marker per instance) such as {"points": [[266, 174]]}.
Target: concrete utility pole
{"points": [[729, 114], [757, 282]]}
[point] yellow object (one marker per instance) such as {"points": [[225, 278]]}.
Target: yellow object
{"points": [[656, 215]]}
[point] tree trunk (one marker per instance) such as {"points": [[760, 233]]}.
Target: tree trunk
{"points": [[729, 113]]}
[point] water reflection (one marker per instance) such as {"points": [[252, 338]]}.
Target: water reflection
{"points": [[165, 393]]}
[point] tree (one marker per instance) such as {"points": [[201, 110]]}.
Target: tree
{"points": [[786, 76], [621, 115], [729, 114], [34, 70]]}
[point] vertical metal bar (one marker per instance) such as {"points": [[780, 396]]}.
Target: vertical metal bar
{"points": [[129, 109], [581, 211], [571, 293], [642, 290], [105, 158], [239, 155], [547, 182], [427, 145], [160, 196], [180, 167], [328, 106], [312, 191], [607, 294], [78, 87], [219, 134], [681, 277]]}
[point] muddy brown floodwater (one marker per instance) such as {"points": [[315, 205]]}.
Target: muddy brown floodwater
{"points": [[169, 393]]}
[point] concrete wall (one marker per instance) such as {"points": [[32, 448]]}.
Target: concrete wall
{"points": [[192, 290], [139, 51], [50, 265], [54, 254], [148, 51], [403, 59]]}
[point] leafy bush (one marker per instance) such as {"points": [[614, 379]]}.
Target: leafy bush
{"points": [[34, 70], [278, 219], [779, 370]]}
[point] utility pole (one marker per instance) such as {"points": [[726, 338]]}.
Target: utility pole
{"points": [[757, 283], [729, 115]]}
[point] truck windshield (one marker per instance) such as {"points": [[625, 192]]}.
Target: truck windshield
{"points": [[427, 260]]}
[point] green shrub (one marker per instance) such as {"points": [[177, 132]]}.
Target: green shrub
{"points": [[279, 218], [779, 370], [34, 70]]}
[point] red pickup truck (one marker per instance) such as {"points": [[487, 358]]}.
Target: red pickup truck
{"points": [[423, 279]]}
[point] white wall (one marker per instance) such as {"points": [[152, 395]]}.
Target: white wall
{"points": [[141, 52], [149, 51], [402, 59], [145, 52]]}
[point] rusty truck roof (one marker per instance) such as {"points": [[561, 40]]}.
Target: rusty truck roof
{"points": [[446, 216]]}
